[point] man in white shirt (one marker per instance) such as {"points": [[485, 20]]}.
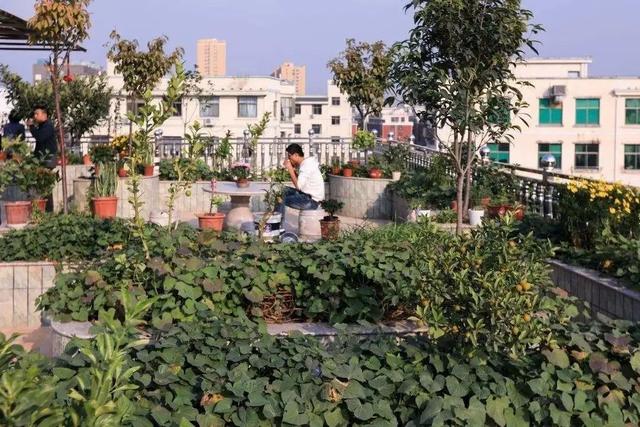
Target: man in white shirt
{"points": [[308, 182]]}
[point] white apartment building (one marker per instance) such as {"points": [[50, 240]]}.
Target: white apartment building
{"points": [[232, 103], [590, 124], [327, 116]]}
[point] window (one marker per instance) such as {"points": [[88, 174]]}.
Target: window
{"points": [[286, 110], [247, 106], [210, 107], [588, 112], [297, 129], [395, 119], [554, 149], [550, 113], [335, 139], [573, 74], [335, 101], [587, 156], [298, 109], [317, 129], [177, 109], [402, 119], [632, 156], [499, 152], [632, 111], [335, 120], [317, 109], [130, 106]]}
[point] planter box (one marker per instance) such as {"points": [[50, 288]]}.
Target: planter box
{"points": [[21, 283], [605, 295], [362, 197]]}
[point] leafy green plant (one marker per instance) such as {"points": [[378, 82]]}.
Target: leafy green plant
{"points": [[223, 152], [240, 171], [331, 206], [42, 181], [102, 153], [106, 183], [363, 140], [396, 157]]}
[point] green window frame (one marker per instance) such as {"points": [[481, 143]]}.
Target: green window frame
{"points": [[632, 156], [587, 156], [550, 113], [632, 111], [500, 152], [550, 148], [587, 112]]}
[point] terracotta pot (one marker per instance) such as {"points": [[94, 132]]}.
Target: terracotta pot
{"points": [[347, 172], [86, 160], [497, 211], [336, 170], [41, 204], [242, 183], [17, 212], [3, 156], [375, 173], [148, 170], [330, 228], [122, 173], [454, 205], [209, 221], [105, 207]]}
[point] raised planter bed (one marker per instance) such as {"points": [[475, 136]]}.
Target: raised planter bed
{"points": [[362, 197], [21, 283], [605, 295]]}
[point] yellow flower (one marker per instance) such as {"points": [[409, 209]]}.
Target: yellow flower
{"points": [[612, 211]]}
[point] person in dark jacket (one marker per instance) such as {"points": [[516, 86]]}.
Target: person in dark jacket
{"points": [[44, 133], [14, 129]]}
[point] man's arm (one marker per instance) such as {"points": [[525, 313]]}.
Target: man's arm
{"points": [[292, 173]]}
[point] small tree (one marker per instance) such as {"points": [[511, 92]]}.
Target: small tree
{"points": [[362, 72], [458, 62], [60, 25]]}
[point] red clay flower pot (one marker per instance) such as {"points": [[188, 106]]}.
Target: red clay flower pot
{"points": [[40, 204], [209, 221], [3, 156], [347, 172], [86, 160], [330, 228], [242, 183], [105, 207], [122, 173], [454, 205], [17, 212], [336, 170], [375, 173], [148, 170]]}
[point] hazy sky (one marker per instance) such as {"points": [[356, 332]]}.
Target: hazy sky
{"points": [[260, 34]]}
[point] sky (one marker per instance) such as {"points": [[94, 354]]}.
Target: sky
{"points": [[261, 34]]}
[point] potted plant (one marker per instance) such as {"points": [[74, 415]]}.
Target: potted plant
{"points": [[149, 165], [241, 174], [418, 209], [41, 184], [375, 170], [100, 154], [363, 141], [212, 220], [347, 170], [105, 202], [476, 211], [120, 145], [335, 166], [123, 169], [396, 159], [18, 171], [504, 204], [330, 225]]}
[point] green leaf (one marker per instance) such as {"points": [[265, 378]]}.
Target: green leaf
{"points": [[557, 357], [433, 408], [455, 388], [635, 361], [63, 373], [354, 391], [334, 418], [255, 295], [496, 408], [364, 412]]}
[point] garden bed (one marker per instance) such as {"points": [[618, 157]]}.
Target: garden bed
{"points": [[362, 197]]}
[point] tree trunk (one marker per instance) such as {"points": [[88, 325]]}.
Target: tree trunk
{"points": [[63, 165], [459, 198], [467, 193]]}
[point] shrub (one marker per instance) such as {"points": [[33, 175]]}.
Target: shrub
{"points": [[429, 188]]}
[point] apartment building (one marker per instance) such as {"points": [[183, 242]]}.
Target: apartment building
{"points": [[232, 103], [296, 74], [591, 125], [398, 120], [211, 57], [327, 116]]}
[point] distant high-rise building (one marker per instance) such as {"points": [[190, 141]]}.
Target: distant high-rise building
{"points": [[290, 72], [41, 70], [211, 57]]}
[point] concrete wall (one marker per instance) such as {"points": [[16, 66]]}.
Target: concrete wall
{"points": [[362, 197], [21, 283]]}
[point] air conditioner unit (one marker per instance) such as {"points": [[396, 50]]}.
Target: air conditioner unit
{"points": [[207, 122], [558, 93]]}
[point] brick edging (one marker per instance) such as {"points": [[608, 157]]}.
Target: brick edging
{"points": [[605, 295]]}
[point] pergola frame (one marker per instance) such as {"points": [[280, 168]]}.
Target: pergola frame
{"points": [[14, 35]]}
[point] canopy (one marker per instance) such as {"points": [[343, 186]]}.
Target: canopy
{"points": [[14, 34]]}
